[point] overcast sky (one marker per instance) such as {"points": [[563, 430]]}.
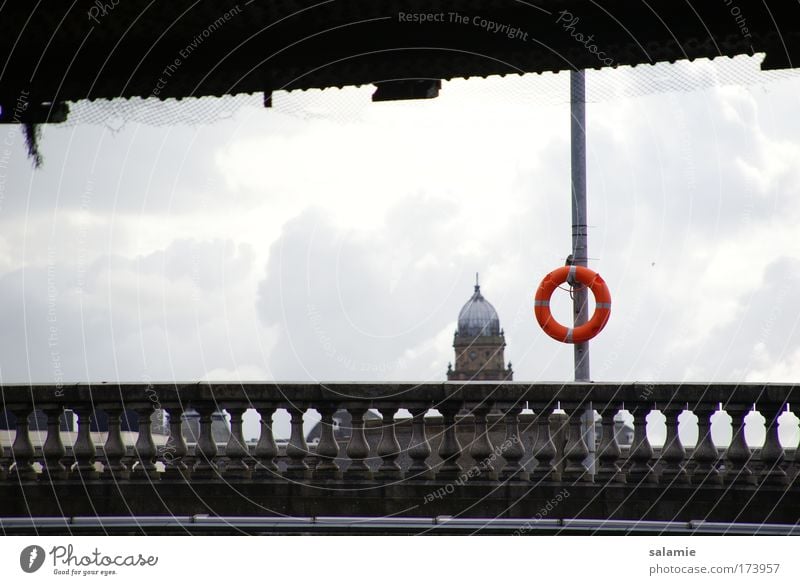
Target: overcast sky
{"points": [[337, 239]]}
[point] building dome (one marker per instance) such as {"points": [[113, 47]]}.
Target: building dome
{"points": [[478, 317]]}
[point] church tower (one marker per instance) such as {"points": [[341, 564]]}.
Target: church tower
{"points": [[479, 342]]}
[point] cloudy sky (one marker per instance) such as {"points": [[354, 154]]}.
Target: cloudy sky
{"points": [[330, 238]]}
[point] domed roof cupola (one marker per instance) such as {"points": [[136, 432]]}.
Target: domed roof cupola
{"points": [[479, 343], [478, 317]]}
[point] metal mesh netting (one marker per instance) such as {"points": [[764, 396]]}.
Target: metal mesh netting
{"points": [[349, 106]]}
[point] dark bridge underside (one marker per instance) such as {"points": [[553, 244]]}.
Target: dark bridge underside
{"points": [[55, 52], [473, 501]]}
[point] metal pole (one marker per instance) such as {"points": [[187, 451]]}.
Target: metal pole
{"points": [[580, 247]]}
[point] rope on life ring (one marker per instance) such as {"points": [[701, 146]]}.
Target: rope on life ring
{"points": [[602, 298]]}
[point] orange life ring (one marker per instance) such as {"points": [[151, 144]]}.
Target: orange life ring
{"points": [[602, 311]]}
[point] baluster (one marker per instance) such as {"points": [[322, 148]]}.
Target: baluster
{"points": [[145, 448], [266, 449], [84, 450], [5, 455], [418, 448], [513, 449], [575, 451], [175, 450], [328, 447], [738, 454], [297, 449], [5, 462], [389, 447], [794, 471], [236, 449], [22, 449], [357, 448], [640, 471], [53, 450], [114, 447], [205, 451], [543, 448], [559, 431], [450, 448], [608, 453], [481, 450], [772, 454], [705, 454], [5, 458], [673, 453]]}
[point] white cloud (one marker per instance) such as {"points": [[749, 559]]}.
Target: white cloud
{"points": [[376, 216]]}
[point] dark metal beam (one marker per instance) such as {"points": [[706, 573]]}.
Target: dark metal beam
{"points": [[70, 51]]}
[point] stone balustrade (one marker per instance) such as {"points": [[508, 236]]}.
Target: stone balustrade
{"points": [[513, 457]]}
